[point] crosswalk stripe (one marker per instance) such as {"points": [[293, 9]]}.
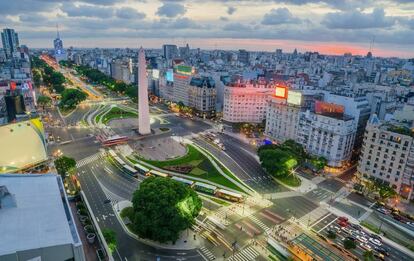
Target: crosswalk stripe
{"points": [[246, 254], [259, 223], [87, 160], [207, 253]]}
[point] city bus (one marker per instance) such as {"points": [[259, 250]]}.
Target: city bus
{"points": [[129, 169], [206, 188], [157, 173], [141, 169], [189, 183], [114, 140], [229, 195]]}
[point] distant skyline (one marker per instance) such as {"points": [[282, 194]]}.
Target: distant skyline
{"points": [[326, 26]]}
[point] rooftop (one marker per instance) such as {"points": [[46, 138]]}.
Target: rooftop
{"points": [[39, 216]]}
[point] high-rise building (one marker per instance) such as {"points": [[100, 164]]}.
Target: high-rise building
{"points": [[387, 156], [243, 56], [60, 53], [143, 107], [170, 51], [10, 41]]}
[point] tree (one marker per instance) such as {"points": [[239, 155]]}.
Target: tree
{"points": [[277, 162], [163, 208], [349, 244], [369, 255], [71, 98], [44, 101], [37, 78], [64, 164], [331, 234], [110, 238]]}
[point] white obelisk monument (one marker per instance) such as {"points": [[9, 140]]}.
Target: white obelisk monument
{"points": [[143, 107]]}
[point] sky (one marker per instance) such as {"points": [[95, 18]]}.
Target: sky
{"points": [[327, 26]]}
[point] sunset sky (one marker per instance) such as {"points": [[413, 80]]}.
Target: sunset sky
{"points": [[327, 26]]}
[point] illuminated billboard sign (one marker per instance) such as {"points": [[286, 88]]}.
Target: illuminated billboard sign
{"points": [[155, 74], [179, 76], [281, 92], [184, 69], [25, 143], [294, 98], [169, 75], [329, 109]]}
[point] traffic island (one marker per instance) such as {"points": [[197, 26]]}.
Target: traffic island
{"points": [[187, 241]]}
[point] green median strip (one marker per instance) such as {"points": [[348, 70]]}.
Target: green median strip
{"points": [[200, 165]]}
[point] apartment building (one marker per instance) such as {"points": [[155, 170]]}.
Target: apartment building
{"points": [[246, 102], [388, 155], [202, 96]]}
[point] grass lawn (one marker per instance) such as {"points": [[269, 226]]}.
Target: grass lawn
{"points": [[290, 180], [116, 113], [203, 167]]}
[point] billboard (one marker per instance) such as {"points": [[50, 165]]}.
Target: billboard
{"points": [[329, 109], [155, 74], [294, 98], [25, 143], [169, 75], [184, 69], [281, 92]]}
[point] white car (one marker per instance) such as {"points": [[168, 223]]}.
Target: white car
{"points": [[375, 241], [362, 239], [365, 246]]}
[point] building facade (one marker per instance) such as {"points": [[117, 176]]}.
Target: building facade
{"points": [[387, 156], [246, 102], [202, 96], [10, 41]]}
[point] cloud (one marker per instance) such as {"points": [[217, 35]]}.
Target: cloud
{"points": [[231, 10], [170, 9], [129, 13], [280, 16], [236, 27], [13, 7], [358, 20], [87, 10]]}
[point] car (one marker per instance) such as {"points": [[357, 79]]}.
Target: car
{"points": [[351, 238], [411, 224], [376, 237], [342, 223], [365, 246], [379, 256], [397, 217], [106, 201], [335, 228], [343, 219], [347, 230], [375, 241], [382, 250], [362, 239], [384, 211], [355, 226]]}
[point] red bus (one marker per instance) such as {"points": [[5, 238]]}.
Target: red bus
{"points": [[114, 140]]}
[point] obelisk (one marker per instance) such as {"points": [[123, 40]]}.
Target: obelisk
{"points": [[143, 107]]}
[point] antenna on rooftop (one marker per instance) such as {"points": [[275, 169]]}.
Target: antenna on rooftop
{"points": [[57, 32]]}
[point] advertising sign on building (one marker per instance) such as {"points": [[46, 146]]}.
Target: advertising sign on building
{"points": [[329, 109], [155, 74], [281, 92], [169, 75], [184, 69], [294, 98]]}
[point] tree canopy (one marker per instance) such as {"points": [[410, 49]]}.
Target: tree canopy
{"points": [[280, 160], [163, 208], [63, 164], [71, 98], [44, 100], [51, 78]]}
